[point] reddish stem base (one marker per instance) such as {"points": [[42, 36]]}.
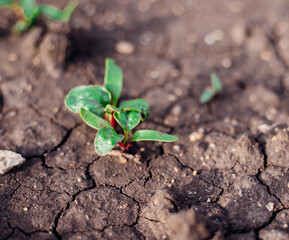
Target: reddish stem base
{"points": [[125, 147], [112, 122]]}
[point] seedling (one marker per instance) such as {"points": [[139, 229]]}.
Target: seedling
{"points": [[215, 88], [97, 106], [28, 11]]}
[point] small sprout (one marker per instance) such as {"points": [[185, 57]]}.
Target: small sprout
{"points": [[28, 11], [215, 88], [97, 106]]}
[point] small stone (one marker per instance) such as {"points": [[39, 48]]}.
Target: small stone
{"points": [[263, 128], [209, 39], [195, 173], [12, 57], [227, 63], [172, 98], [122, 159], [266, 55], [270, 206], [9, 160], [177, 148], [124, 47], [176, 110], [238, 33], [25, 209], [196, 136]]}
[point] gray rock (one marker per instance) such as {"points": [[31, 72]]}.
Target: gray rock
{"points": [[9, 160]]}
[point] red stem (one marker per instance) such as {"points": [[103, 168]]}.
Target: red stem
{"points": [[112, 122], [125, 147]]}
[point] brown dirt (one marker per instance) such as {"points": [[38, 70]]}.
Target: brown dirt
{"points": [[231, 183]]}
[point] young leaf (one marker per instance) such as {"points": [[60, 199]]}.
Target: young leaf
{"points": [[139, 105], [105, 140], [207, 95], [151, 135], [30, 9], [68, 10], [21, 26], [56, 13], [127, 121], [216, 82], [5, 3], [93, 120], [92, 98], [51, 11], [113, 80], [109, 108]]}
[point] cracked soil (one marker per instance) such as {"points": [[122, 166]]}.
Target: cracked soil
{"points": [[226, 178]]}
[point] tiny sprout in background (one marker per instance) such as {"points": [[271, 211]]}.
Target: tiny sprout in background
{"points": [[215, 88], [28, 11], [97, 106]]}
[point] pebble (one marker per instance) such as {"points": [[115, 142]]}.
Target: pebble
{"points": [[9, 160], [25, 209], [12, 57], [227, 63], [172, 97], [124, 47], [196, 136], [213, 37], [270, 206], [238, 33], [122, 159], [176, 110], [266, 55], [177, 148]]}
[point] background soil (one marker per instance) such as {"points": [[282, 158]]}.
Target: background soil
{"points": [[226, 178]]}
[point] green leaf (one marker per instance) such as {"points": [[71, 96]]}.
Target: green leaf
{"points": [[105, 140], [30, 9], [127, 121], [92, 98], [93, 120], [151, 135], [51, 11], [68, 10], [216, 82], [56, 13], [207, 95], [113, 80], [21, 26], [5, 3], [139, 105], [109, 108]]}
